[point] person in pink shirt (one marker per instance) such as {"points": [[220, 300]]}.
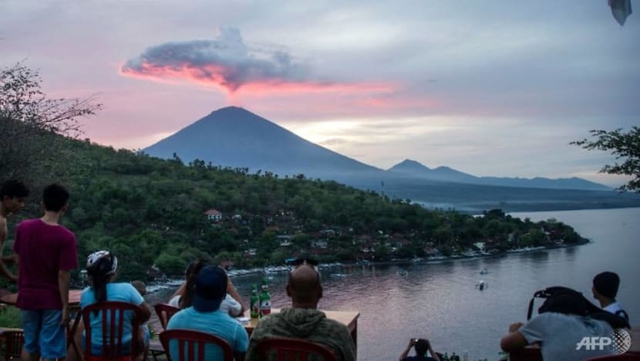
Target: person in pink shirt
{"points": [[47, 252]]}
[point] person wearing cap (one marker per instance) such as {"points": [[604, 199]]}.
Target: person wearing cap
{"points": [[46, 253], [102, 267], [205, 315], [184, 295], [605, 289], [303, 320]]}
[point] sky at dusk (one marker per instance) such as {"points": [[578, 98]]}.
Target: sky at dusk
{"points": [[491, 88]]}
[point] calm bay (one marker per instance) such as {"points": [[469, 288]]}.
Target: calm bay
{"points": [[439, 301]]}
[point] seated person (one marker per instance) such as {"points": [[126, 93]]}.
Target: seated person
{"points": [[303, 320], [183, 296], [560, 326], [205, 315], [605, 289], [421, 346], [101, 269]]}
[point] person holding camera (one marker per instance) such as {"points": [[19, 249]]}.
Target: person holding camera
{"points": [[421, 346]]}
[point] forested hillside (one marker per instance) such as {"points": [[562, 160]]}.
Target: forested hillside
{"points": [[150, 211]]}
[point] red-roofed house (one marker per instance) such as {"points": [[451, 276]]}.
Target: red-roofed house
{"points": [[213, 215]]}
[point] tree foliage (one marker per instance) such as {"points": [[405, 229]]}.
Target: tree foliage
{"points": [[28, 121], [625, 146]]}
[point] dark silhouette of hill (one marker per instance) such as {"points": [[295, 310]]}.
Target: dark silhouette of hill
{"points": [[418, 170], [446, 174], [234, 137]]}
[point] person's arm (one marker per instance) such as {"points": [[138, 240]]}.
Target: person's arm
{"points": [[64, 278], [146, 312], [241, 344], [514, 340], [433, 353], [235, 308], [180, 291], [231, 290], [4, 271], [405, 353]]}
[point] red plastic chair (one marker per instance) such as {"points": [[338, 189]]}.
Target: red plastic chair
{"points": [[165, 312], [112, 314], [13, 342], [526, 354], [292, 349], [191, 344]]}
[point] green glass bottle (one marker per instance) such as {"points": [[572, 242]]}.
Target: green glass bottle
{"points": [[265, 299], [255, 302]]}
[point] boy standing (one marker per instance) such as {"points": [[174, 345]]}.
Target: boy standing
{"points": [[12, 195], [46, 253]]}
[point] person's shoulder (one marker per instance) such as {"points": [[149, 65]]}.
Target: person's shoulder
{"points": [[328, 325], [334, 324], [27, 223], [122, 287], [179, 319], [268, 322], [67, 232]]}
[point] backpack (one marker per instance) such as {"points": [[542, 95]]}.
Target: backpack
{"points": [[568, 301]]}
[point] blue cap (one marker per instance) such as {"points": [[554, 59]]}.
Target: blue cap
{"points": [[211, 289]]}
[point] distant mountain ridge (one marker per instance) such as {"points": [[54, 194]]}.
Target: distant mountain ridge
{"points": [[235, 137], [446, 174]]}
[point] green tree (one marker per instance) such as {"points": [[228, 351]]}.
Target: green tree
{"points": [[625, 146]]}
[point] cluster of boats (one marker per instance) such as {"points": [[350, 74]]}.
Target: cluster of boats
{"points": [[163, 285]]}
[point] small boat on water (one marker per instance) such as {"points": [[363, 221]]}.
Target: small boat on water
{"points": [[402, 272], [482, 285], [338, 275], [484, 271]]}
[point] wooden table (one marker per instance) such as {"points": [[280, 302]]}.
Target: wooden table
{"points": [[348, 318], [74, 309]]}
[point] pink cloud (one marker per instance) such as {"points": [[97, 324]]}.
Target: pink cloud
{"points": [[228, 64]]}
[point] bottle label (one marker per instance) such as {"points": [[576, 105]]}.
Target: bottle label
{"points": [[265, 307], [255, 309]]}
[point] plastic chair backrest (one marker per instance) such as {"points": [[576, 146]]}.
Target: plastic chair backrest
{"points": [[191, 344], [113, 315], [165, 312], [526, 354], [292, 349], [14, 340]]}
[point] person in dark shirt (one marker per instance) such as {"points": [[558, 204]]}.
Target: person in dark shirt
{"points": [[421, 346]]}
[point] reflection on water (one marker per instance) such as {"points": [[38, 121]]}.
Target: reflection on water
{"points": [[440, 301]]}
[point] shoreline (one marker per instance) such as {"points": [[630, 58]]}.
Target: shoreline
{"points": [[174, 283]]}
